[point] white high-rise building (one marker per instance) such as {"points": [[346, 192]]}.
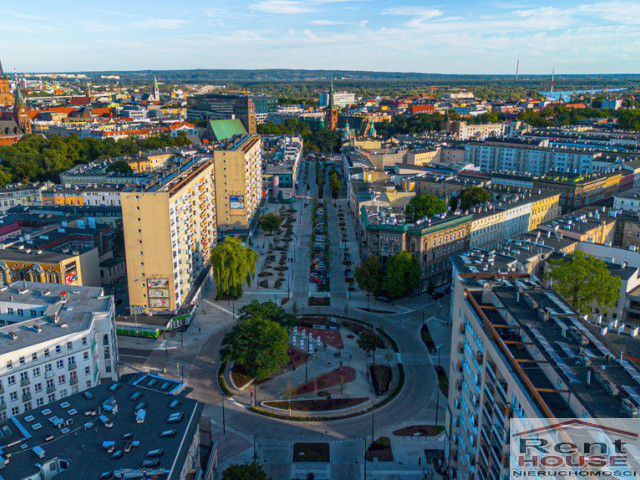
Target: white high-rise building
{"points": [[55, 340]]}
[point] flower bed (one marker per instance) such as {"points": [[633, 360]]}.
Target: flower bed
{"points": [[317, 405], [380, 378], [319, 301]]}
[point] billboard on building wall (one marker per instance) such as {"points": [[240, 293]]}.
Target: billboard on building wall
{"points": [[158, 292], [159, 303], [236, 201], [158, 283], [70, 273]]}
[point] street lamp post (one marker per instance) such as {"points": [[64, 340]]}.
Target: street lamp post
{"points": [[439, 347], [224, 426]]}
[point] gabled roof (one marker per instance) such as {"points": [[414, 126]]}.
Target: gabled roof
{"points": [[225, 129]]}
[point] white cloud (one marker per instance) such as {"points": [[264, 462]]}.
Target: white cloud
{"points": [[322, 23], [281, 7], [161, 23], [419, 14]]}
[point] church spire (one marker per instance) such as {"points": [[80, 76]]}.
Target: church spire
{"points": [[19, 98], [1, 71]]}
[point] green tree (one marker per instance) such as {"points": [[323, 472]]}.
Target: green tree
{"points": [[473, 196], [453, 203], [270, 222], [424, 206], [367, 341], [402, 276], [335, 183], [119, 167], [258, 344], [584, 280], [233, 265], [247, 471], [370, 274], [268, 310]]}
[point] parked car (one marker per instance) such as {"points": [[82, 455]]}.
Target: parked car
{"points": [[381, 298]]}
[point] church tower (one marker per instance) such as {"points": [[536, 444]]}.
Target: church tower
{"points": [[331, 114], [20, 112], [156, 90], [6, 99]]}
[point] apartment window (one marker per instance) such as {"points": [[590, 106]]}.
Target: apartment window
{"points": [[36, 371], [88, 383], [24, 375], [48, 368], [87, 370], [107, 353], [73, 374], [39, 402], [58, 349], [34, 356], [10, 311], [21, 360], [13, 396], [50, 383], [51, 397], [63, 393], [15, 411], [61, 379], [9, 364], [60, 364], [85, 356], [20, 312], [69, 345], [38, 387], [46, 353], [11, 379]]}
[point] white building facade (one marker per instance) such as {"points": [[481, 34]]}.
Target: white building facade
{"points": [[55, 340]]}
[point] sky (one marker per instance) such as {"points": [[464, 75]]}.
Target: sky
{"points": [[461, 36]]}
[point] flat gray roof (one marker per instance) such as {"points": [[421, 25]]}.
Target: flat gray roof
{"points": [[73, 306]]}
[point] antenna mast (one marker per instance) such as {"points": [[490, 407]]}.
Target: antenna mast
{"points": [[553, 74], [517, 68]]}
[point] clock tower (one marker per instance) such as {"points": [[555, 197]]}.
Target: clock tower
{"points": [[6, 99]]}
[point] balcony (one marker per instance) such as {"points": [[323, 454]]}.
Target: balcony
{"points": [[26, 397], [3, 406], [51, 388], [73, 366], [73, 381], [24, 382]]}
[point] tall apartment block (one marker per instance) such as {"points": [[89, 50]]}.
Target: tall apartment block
{"points": [[519, 351], [238, 183], [55, 340], [169, 231]]}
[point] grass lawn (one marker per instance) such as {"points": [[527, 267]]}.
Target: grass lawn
{"points": [[311, 452], [381, 378], [419, 431], [319, 301], [443, 381], [381, 449]]}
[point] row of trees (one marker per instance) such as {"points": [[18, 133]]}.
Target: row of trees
{"points": [[36, 158], [315, 139], [399, 276]]}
